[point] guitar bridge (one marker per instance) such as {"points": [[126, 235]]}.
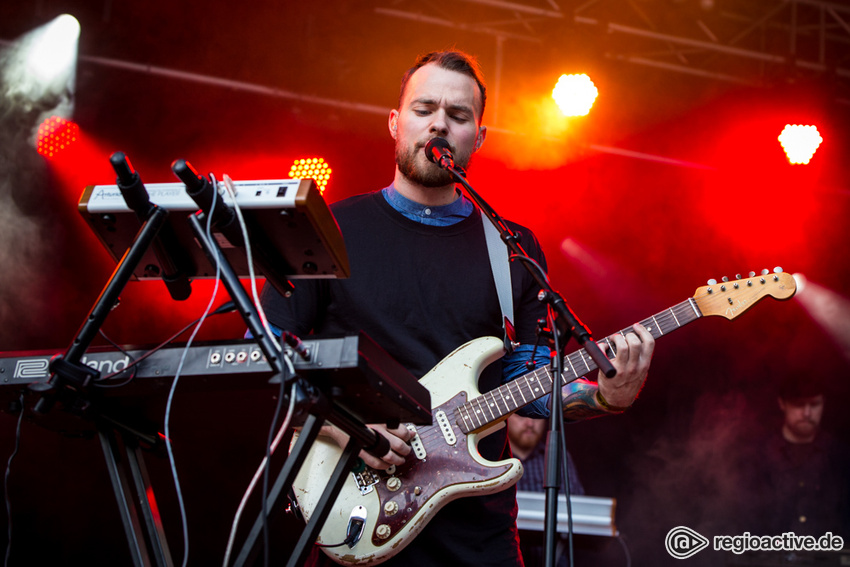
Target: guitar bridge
{"points": [[366, 480]]}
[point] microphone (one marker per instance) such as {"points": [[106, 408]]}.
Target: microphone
{"points": [[438, 151], [199, 188], [202, 192], [176, 263]]}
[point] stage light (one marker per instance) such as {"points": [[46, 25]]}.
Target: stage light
{"points": [[829, 309], [55, 134], [39, 72], [575, 94], [800, 142], [53, 51], [311, 168]]}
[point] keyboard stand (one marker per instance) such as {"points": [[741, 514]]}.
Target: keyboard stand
{"points": [[139, 515], [69, 385], [310, 401]]}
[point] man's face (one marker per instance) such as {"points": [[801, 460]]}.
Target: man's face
{"points": [[525, 432], [436, 103], [802, 416]]}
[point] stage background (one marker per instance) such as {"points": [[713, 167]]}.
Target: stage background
{"points": [[671, 180]]}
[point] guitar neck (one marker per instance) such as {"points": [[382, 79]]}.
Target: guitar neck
{"points": [[497, 404]]}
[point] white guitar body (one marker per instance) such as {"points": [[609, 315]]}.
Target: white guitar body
{"points": [[444, 465]]}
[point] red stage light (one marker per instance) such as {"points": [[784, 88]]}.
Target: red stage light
{"points": [[575, 94], [311, 168], [55, 134], [800, 142]]}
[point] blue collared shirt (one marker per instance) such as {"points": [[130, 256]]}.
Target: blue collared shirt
{"points": [[443, 215]]}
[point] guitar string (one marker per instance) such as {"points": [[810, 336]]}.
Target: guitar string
{"points": [[489, 402], [659, 324], [433, 433]]}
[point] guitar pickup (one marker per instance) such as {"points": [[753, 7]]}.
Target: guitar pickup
{"points": [[416, 443], [445, 427]]}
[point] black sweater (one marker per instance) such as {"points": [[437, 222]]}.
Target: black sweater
{"points": [[420, 292]]}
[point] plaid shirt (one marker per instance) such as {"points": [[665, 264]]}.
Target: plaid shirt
{"points": [[535, 471]]}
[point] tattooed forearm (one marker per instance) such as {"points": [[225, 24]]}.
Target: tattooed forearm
{"points": [[581, 401]]}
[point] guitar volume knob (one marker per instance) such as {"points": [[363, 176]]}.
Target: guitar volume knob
{"points": [[390, 508], [383, 531], [393, 483]]}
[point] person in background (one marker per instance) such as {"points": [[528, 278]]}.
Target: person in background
{"points": [[526, 436], [802, 471], [527, 440]]}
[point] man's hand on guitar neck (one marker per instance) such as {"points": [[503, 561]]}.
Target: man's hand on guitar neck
{"points": [[585, 399], [398, 438], [634, 353]]}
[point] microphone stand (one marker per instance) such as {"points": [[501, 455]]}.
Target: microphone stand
{"points": [[567, 324]]}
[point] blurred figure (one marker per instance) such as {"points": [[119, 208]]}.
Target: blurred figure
{"points": [[526, 437], [803, 470]]}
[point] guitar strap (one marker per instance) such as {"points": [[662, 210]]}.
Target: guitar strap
{"points": [[500, 264]]}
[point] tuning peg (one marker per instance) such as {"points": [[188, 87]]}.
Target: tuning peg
{"points": [[777, 270], [712, 281], [752, 274], [737, 276], [725, 279], [764, 272]]}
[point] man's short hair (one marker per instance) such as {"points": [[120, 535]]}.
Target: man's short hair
{"points": [[457, 61], [794, 386]]}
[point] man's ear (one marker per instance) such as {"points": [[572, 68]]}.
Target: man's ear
{"points": [[392, 123], [479, 139]]}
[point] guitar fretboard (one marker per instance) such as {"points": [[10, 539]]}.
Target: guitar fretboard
{"points": [[495, 405]]}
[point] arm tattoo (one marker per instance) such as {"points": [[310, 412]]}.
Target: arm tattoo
{"points": [[580, 401]]}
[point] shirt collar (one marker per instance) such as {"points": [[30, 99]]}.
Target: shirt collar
{"points": [[455, 211]]}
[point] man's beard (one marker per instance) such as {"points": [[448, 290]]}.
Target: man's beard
{"points": [[427, 174], [526, 439], [804, 427]]}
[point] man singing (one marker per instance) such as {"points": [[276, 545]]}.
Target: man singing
{"points": [[422, 284]]}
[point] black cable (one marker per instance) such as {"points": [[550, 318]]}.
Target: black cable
{"points": [[347, 540], [567, 493], [531, 261], [132, 364], [224, 308], [6, 482]]}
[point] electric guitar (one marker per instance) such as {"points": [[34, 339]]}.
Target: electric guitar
{"points": [[445, 464]]}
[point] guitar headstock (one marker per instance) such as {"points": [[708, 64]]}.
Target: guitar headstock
{"points": [[731, 298]]}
